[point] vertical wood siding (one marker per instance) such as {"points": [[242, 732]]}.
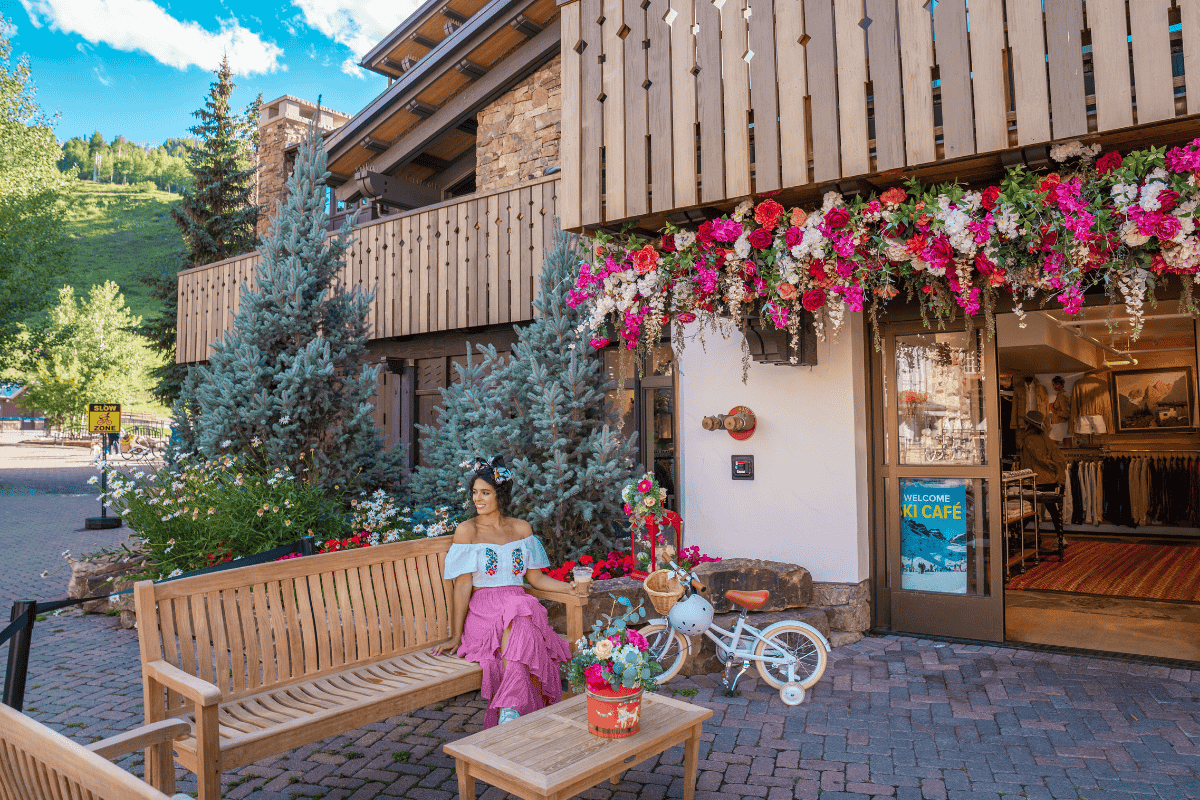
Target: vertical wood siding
{"points": [[670, 104], [460, 264]]}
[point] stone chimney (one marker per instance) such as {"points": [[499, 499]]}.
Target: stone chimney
{"points": [[283, 124]]}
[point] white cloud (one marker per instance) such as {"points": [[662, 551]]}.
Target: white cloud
{"points": [[132, 25], [102, 75], [357, 24]]}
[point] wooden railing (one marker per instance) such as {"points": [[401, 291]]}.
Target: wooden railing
{"points": [[670, 104], [463, 263]]}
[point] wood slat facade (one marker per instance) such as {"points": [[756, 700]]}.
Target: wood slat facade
{"points": [[466, 263], [673, 104]]}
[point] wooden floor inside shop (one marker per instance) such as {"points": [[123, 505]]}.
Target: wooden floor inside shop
{"points": [[1139, 626], [1161, 628]]}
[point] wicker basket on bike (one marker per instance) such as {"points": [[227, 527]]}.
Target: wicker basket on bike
{"points": [[664, 589]]}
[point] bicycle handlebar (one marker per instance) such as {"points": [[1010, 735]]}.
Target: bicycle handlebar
{"points": [[688, 577]]}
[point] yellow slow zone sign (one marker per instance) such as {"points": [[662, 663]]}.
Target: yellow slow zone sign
{"points": [[104, 417]]}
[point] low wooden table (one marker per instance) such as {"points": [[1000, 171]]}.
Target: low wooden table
{"points": [[550, 755]]}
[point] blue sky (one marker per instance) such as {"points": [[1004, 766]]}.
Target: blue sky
{"points": [[141, 67]]}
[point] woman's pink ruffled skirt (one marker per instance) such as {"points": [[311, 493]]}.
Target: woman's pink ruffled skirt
{"points": [[531, 678]]}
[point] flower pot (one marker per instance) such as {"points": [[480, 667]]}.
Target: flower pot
{"points": [[614, 713]]}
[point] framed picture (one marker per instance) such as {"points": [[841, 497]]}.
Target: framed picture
{"points": [[1153, 399]]}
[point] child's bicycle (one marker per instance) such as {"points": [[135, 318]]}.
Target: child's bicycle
{"points": [[790, 655]]}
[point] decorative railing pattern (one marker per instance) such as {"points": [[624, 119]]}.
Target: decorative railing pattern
{"points": [[670, 104], [463, 263]]}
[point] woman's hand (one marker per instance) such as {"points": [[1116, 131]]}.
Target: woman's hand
{"points": [[448, 648]]}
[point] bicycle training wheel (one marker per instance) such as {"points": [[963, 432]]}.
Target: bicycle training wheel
{"points": [[667, 647], [791, 639]]}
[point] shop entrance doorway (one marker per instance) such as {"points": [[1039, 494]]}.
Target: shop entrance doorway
{"points": [[1122, 416], [938, 473]]}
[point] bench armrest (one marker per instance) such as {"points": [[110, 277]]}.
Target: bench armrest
{"points": [[167, 730], [574, 608], [200, 692]]}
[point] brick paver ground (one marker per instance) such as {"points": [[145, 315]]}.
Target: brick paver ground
{"points": [[893, 717]]}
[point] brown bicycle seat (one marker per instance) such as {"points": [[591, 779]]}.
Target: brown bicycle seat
{"points": [[749, 600]]}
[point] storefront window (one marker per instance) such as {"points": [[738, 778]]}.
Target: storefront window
{"points": [[939, 400], [646, 405]]}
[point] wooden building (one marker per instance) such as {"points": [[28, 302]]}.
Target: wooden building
{"points": [[500, 116]]}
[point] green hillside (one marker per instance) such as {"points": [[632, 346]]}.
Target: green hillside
{"points": [[119, 233]]}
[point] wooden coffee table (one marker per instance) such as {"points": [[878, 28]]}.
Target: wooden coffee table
{"points": [[550, 755]]}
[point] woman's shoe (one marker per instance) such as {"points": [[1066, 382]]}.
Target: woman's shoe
{"points": [[507, 715]]}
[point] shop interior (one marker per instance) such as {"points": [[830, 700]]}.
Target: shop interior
{"points": [[1125, 574]]}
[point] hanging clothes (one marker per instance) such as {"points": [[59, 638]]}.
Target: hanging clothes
{"points": [[1092, 411], [1028, 395]]}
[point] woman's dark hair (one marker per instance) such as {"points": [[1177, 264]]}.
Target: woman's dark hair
{"points": [[1058, 381], [503, 490]]}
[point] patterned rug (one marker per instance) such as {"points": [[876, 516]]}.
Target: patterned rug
{"points": [[1155, 572]]}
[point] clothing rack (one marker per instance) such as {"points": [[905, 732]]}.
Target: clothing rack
{"points": [[1121, 451]]}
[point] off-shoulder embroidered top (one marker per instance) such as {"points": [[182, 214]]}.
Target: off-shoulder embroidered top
{"points": [[496, 564]]}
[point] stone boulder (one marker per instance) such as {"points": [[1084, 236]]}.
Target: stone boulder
{"points": [[103, 576], [791, 586]]}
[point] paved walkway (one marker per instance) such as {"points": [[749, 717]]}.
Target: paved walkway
{"points": [[893, 717]]}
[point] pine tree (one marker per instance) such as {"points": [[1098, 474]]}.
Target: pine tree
{"points": [[292, 372], [216, 215], [544, 409]]}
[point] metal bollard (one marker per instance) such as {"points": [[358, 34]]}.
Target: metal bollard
{"points": [[18, 655]]}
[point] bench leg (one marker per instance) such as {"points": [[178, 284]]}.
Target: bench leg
{"points": [[208, 754], [691, 760], [466, 781]]}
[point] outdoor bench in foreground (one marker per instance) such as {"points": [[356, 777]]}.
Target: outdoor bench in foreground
{"points": [[267, 658]]}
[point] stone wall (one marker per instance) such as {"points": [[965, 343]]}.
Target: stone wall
{"points": [[283, 122], [518, 133]]}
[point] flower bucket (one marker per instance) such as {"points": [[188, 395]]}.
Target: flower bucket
{"points": [[614, 713]]}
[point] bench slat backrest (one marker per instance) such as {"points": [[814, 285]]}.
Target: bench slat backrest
{"points": [[37, 763], [254, 627]]}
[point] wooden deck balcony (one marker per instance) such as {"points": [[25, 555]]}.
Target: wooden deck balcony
{"points": [[673, 104], [467, 262]]}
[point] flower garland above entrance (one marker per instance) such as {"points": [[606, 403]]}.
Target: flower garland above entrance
{"points": [[1123, 222]]}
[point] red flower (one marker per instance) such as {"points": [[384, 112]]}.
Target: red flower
{"points": [[1049, 237], [645, 259], [1167, 200], [927, 289], [787, 291], [1047, 186], [837, 218], [685, 316], [668, 243], [941, 248], [1166, 226], [768, 213], [991, 196], [1108, 162], [984, 264], [916, 245], [760, 238], [793, 236], [644, 486], [704, 232], [894, 196], [813, 299]]}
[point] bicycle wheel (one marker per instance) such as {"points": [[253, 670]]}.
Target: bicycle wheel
{"points": [[790, 638], [667, 647]]}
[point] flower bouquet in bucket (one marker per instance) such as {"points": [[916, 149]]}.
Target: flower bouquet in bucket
{"points": [[612, 666]]}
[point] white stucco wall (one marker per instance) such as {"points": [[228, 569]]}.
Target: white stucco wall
{"points": [[807, 504]]}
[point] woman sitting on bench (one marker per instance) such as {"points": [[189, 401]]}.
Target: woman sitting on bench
{"points": [[503, 629]]}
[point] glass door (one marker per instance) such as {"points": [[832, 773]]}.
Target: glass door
{"points": [[938, 484]]}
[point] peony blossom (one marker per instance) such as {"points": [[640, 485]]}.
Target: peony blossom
{"points": [[787, 291], [645, 259], [645, 485], [768, 213], [894, 196], [1108, 162], [603, 649], [761, 239], [813, 299]]}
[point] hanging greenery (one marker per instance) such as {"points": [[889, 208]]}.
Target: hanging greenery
{"points": [[1126, 223]]}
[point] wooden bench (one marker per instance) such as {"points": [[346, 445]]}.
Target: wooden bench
{"points": [[266, 658], [38, 763]]}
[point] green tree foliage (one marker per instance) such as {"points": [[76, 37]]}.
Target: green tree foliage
{"points": [[543, 409], [84, 351], [31, 194], [217, 215], [290, 384], [126, 163]]}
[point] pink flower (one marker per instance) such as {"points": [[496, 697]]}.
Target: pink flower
{"points": [[1166, 226], [599, 342], [637, 640], [594, 678], [793, 236], [836, 218], [726, 230], [644, 486], [760, 238], [685, 316], [628, 509]]}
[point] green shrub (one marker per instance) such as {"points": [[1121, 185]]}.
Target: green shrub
{"points": [[194, 514]]}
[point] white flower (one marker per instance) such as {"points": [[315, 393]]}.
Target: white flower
{"points": [[226, 443], [256, 441], [92, 480], [113, 598], [285, 419], [175, 573]]}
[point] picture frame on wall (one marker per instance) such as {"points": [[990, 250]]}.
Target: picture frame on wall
{"points": [[1147, 400]]}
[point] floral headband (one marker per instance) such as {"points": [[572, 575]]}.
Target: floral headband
{"points": [[493, 466]]}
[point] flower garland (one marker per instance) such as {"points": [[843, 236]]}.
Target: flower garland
{"points": [[1122, 222]]}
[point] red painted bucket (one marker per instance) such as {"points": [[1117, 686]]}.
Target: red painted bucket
{"points": [[614, 714]]}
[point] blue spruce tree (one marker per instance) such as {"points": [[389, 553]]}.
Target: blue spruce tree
{"points": [[290, 383], [544, 410]]}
